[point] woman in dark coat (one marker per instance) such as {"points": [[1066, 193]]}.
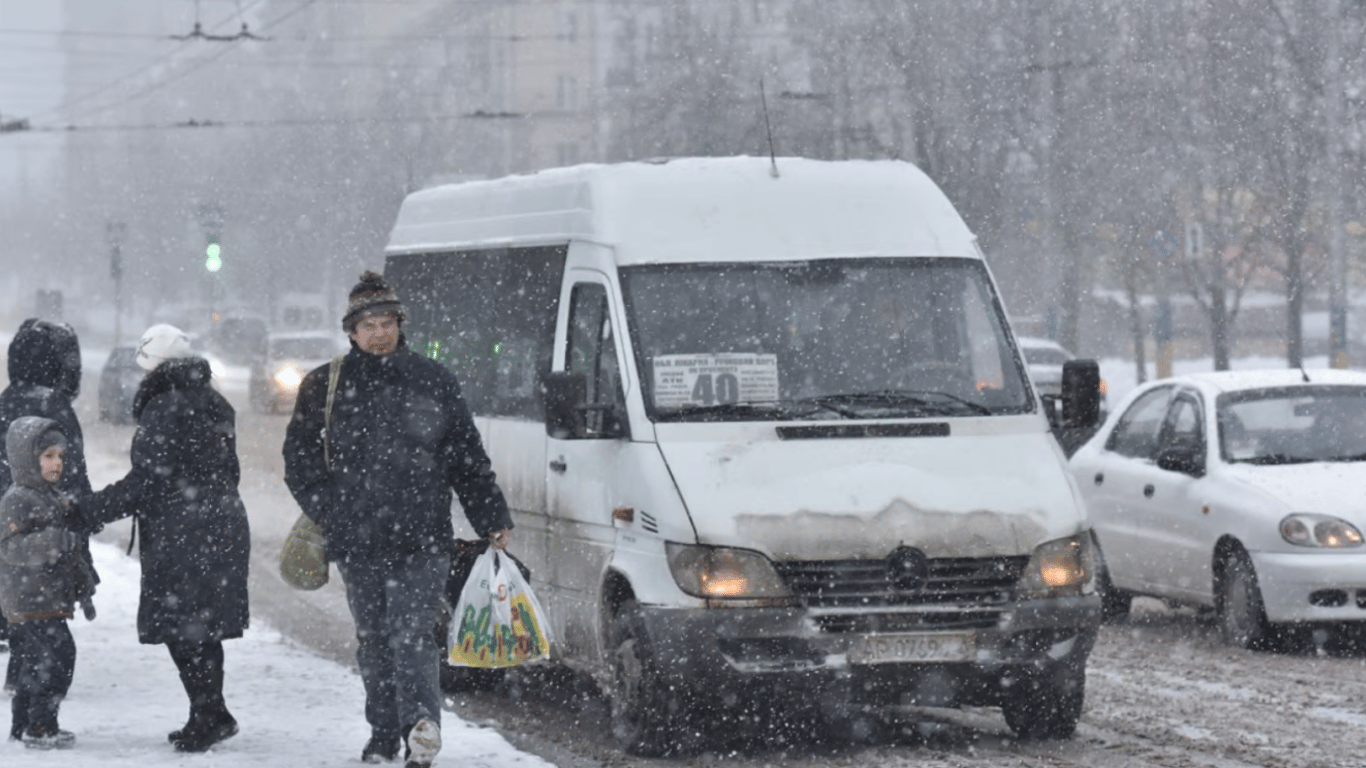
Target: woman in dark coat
{"points": [[192, 527]]}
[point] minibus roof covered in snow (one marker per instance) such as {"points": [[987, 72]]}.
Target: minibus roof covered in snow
{"points": [[696, 210]]}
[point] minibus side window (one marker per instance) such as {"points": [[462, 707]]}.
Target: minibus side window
{"points": [[592, 353]]}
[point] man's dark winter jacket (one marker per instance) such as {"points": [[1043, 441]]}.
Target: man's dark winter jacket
{"points": [[401, 438], [44, 378], [182, 489], [42, 573]]}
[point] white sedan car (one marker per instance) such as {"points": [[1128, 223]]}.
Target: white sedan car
{"points": [[1239, 491]]}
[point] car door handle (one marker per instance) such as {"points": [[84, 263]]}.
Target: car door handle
{"points": [[1100, 478], [1148, 491], [558, 465]]}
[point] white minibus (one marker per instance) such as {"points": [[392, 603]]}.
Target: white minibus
{"points": [[767, 436]]}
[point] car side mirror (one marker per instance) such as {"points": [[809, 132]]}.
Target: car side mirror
{"points": [[1080, 394], [565, 400], [563, 395], [1186, 459]]}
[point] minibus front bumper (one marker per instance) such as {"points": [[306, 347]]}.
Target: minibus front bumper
{"points": [[724, 650]]}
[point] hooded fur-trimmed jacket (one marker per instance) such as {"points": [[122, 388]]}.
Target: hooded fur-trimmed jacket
{"points": [[42, 572], [192, 527]]}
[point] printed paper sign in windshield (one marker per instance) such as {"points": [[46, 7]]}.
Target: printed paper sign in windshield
{"points": [[683, 381]]}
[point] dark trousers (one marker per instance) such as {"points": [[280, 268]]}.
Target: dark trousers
{"points": [[396, 604], [201, 673], [45, 658]]}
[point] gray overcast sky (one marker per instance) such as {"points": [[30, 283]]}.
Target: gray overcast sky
{"points": [[30, 83]]}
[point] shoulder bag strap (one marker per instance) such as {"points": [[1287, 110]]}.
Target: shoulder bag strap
{"points": [[333, 375]]}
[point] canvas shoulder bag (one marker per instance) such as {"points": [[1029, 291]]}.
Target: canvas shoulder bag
{"points": [[303, 559]]}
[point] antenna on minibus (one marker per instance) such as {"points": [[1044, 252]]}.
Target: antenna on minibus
{"points": [[772, 155]]}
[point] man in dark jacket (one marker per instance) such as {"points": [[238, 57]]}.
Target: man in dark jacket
{"points": [[44, 379], [377, 473]]}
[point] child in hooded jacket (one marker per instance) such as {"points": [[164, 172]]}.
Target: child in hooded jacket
{"points": [[42, 577]]}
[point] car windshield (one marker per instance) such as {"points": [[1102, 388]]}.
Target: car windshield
{"points": [[310, 348], [830, 339], [1293, 425]]}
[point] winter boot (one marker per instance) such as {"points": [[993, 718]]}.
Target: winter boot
{"points": [[49, 738], [380, 750], [424, 741], [205, 731]]}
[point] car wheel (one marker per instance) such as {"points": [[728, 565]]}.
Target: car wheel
{"points": [[1242, 616], [1046, 705], [647, 712], [1114, 602]]}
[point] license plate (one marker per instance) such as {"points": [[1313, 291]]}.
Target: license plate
{"points": [[889, 649]]}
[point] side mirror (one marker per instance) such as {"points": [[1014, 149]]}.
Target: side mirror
{"points": [[564, 395], [569, 415], [1186, 459], [1080, 394]]}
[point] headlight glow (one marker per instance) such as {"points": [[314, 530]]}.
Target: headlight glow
{"points": [[1306, 529], [1059, 567], [288, 377], [726, 575]]}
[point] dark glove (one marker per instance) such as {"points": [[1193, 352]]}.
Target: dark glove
{"points": [[88, 608]]}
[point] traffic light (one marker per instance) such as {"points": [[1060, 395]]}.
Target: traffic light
{"points": [[213, 255]]}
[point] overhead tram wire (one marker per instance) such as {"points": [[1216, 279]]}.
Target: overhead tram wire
{"points": [[286, 123]]}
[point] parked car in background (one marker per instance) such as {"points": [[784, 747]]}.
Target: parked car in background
{"points": [[119, 380], [288, 357], [1237, 491]]}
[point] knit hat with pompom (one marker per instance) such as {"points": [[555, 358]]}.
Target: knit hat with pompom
{"points": [[371, 296]]}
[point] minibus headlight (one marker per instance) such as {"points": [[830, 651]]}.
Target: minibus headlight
{"points": [[1059, 567], [724, 576], [1309, 530]]}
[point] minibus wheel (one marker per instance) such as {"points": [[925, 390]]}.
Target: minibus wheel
{"points": [[1046, 705], [647, 717]]}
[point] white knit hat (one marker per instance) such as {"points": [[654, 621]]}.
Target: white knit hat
{"points": [[160, 343]]}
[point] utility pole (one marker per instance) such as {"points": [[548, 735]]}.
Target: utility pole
{"points": [[113, 235], [1337, 262]]}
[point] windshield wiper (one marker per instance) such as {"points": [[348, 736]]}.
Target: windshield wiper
{"points": [[901, 398]]}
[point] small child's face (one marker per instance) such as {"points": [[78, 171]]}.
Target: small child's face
{"points": [[51, 462]]}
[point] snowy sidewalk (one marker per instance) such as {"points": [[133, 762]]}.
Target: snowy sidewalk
{"points": [[294, 708]]}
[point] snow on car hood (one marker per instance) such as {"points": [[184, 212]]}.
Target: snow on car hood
{"points": [[1330, 488], [964, 496]]}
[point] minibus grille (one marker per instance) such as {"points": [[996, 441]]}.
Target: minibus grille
{"points": [[861, 596]]}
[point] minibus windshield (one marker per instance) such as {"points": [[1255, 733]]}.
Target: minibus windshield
{"points": [[827, 339]]}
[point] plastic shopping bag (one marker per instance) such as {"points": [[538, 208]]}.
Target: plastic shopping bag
{"points": [[497, 622]]}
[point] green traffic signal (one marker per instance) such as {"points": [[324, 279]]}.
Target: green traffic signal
{"points": [[213, 259]]}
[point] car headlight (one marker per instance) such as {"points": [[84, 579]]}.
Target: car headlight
{"points": [[1059, 567], [727, 577], [1310, 530], [288, 377]]}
